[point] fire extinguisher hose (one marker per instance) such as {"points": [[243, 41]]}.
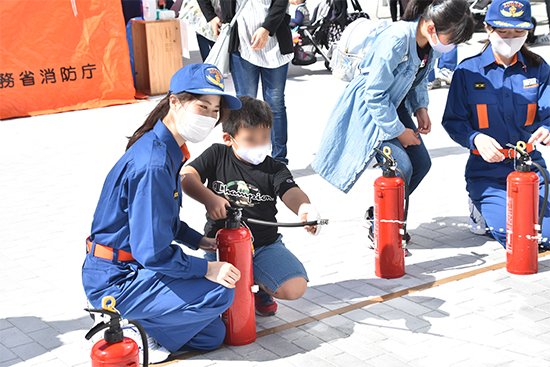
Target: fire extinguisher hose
{"points": [[143, 335], [544, 174], [406, 211], [287, 225]]}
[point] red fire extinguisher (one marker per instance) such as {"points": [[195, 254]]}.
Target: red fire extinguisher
{"points": [[116, 350], [235, 247], [390, 211], [523, 221]]}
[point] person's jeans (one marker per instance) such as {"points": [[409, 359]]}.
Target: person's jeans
{"points": [[205, 45], [393, 9], [448, 60], [414, 161], [246, 77]]}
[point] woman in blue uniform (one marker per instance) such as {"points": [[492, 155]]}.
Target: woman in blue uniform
{"points": [[498, 97], [130, 253]]}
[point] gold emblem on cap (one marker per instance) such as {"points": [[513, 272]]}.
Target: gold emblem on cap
{"points": [[215, 77], [512, 9]]}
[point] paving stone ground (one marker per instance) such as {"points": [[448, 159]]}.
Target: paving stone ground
{"points": [[51, 172]]}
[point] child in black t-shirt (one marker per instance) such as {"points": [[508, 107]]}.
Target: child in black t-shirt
{"points": [[243, 166]]}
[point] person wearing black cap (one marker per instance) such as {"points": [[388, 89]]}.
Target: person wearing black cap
{"points": [[499, 97], [130, 252]]}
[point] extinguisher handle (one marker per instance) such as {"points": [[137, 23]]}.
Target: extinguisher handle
{"points": [[96, 329]]}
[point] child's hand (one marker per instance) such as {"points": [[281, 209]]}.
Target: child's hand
{"points": [[208, 244], [216, 207], [307, 212]]}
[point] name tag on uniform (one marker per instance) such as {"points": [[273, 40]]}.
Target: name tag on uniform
{"points": [[479, 85], [530, 83]]}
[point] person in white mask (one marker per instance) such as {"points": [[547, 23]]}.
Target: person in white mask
{"points": [[499, 97], [131, 256], [242, 166]]}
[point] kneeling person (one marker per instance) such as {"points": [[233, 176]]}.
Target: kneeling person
{"points": [[244, 160]]}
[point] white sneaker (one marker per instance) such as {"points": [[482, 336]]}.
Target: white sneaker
{"points": [[436, 84], [542, 39], [477, 222], [157, 353], [445, 75]]}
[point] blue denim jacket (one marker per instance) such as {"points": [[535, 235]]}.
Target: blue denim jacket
{"points": [[366, 113]]}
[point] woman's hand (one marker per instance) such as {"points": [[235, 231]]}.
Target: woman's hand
{"points": [[208, 244], [216, 207], [423, 120], [223, 273], [542, 136], [488, 148], [216, 25], [259, 39], [409, 137]]}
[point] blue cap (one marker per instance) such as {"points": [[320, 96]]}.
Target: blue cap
{"points": [[202, 79], [509, 14]]}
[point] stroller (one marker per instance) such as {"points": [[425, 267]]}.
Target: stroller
{"points": [[328, 20]]}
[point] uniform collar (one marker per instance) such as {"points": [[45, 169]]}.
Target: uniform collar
{"points": [[488, 58], [164, 135]]}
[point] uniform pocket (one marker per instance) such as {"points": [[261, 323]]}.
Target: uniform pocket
{"points": [[527, 105], [481, 101]]}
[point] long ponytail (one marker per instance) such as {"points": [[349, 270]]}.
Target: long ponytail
{"points": [[450, 17]]}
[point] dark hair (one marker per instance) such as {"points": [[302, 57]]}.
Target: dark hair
{"points": [[451, 17], [253, 113], [161, 110]]}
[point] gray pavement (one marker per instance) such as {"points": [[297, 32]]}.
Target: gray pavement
{"points": [[456, 306]]}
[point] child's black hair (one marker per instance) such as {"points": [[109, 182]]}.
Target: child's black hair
{"points": [[451, 17], [253, 113]]}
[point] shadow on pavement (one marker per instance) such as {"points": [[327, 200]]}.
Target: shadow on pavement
{"points": [[45, 333]]}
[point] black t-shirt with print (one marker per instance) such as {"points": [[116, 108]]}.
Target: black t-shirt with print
{"points": [[223, 171]]}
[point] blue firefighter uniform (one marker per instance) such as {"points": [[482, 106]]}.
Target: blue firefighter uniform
{"points": [[161, 287], [507, 103]]}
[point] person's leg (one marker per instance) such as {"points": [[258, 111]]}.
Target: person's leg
{"points": [[209, 338], [393, 10], [448, 60], [489, 197], [175, 311], [205, 45], [546, 221], [401, 9], [246, 76], [279, 272], [273, 88]]}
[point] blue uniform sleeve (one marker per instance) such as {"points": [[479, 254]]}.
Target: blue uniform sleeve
{"points": [[457, 115], [380, 76], [188, 236], [151, 218], [544, 97]]}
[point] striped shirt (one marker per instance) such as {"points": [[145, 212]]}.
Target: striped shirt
{"points": [[252, 18]]}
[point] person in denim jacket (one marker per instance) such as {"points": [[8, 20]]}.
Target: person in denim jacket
{"points": [[377, 105]]}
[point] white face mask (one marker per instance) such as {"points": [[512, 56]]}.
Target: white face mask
{"points": [[506, 47], [440, 47], [193, 127], [255, 155]]}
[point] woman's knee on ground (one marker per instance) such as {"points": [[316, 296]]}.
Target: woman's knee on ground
{"points": [[292, 289]]}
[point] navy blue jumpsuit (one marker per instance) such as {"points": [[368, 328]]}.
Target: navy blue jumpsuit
{"points": [[164, 289], [507, 103]]}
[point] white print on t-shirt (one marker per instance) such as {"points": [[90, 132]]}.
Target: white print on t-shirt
{"points": [[240, 190]]}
